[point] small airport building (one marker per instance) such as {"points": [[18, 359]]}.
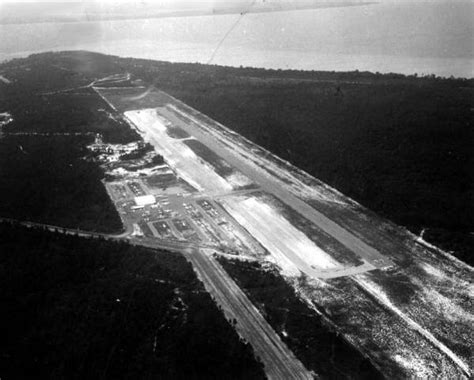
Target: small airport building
{"points": [[145, 200]]}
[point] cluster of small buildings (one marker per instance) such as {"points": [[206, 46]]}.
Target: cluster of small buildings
{"points": [[102, 148], [5, 118], [108, 153]]}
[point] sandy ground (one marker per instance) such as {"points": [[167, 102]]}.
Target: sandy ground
{"points": [[291, 249], [177, 154], [419, 317]]}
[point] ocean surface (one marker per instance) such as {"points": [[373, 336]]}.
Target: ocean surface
{"points": [[402, 37]]}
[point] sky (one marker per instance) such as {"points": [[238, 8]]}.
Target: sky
{"points": [[22, 11]]}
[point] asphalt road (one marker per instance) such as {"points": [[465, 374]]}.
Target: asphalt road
{"points": [[279, 361]]}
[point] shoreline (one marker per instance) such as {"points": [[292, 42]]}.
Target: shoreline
{"points": [[6, 57]]}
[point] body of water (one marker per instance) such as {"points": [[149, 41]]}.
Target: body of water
{"points": [[423, 38]]}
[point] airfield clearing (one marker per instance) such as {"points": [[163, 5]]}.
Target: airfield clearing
{"points": [[368, 276], [209, 177]]}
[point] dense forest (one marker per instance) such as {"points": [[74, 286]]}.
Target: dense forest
{"points": [[45, 179], [79, 308]]}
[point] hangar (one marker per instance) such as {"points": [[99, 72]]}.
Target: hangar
{"points": [[145, 200]]}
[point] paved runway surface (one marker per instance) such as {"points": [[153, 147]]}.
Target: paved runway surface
{"points": [[273, 186]]}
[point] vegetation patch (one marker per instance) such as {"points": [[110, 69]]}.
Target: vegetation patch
{"points": [[314, 342], [177, 132], [87, 308], [46, 179], [462, 244], [220, 166]]}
